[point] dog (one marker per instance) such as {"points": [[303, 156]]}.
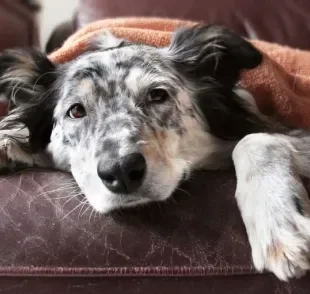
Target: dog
{"points": [[132, 121]]}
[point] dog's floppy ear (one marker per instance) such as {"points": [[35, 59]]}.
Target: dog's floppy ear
{"points": [[211, 58], [27, 80], [209, 50]]}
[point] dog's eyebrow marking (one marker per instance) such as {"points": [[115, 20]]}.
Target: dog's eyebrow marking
{"points": [[132, 80], [85, 87]]}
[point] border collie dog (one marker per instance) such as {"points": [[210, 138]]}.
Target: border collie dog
{"points": [[131, 121]]}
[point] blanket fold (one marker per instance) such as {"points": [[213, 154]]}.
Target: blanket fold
{"points": [[280, 85]]}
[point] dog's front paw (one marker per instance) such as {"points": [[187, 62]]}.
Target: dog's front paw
{"points": [[276, 216], [12, 156], [282, 248], [274, 204]]}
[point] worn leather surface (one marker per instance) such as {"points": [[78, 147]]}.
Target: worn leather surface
{"points": [[198, 233], [195, 233], [18, 26], [282, 21]]}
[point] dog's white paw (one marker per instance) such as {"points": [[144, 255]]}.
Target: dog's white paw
{"points": [[283, 249], [274, 204], [276, 217], [12, 156]]}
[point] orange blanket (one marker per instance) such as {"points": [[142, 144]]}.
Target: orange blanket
{"points": [[281, 85]]}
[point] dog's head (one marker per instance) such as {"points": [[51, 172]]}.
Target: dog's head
{"points": [[128, 120]]}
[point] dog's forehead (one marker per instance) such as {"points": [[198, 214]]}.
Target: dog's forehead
{"points": [[113, 63], [127, 70]]}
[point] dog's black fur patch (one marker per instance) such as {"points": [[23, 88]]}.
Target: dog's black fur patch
{"points": [[213, 58], [27, 77]]}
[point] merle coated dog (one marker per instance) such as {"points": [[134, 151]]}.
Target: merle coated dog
{"points": [[131, 121]]}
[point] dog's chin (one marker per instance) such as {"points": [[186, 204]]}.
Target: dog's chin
{"points": [[127, 204], [104, 201], [104, 204]]}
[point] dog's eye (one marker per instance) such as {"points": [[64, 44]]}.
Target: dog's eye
{"points": [[158, 96], [76, 111]]}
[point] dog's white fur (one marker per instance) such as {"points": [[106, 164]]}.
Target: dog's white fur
{"points": [[267, 185]]}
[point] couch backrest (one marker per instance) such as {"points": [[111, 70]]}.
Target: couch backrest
{"points": [[282, 21]]}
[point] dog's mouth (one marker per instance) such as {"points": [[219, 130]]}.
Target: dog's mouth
{"points": [[137, 201], [130, 203], [148, 194]]}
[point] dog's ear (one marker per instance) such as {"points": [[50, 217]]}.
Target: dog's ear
{"points": [[212, 51], [27, 80], [211, 59]]}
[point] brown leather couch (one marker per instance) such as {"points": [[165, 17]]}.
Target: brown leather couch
{"points": [[18, 26], [194, 243]]}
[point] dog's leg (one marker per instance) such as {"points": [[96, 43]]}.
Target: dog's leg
{"points": [[13, 156], [273, 201]]}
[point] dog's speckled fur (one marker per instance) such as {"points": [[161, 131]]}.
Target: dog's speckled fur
{"points": [[204, 121]]}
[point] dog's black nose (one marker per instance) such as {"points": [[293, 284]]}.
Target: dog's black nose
{"points": [[124, 175]]}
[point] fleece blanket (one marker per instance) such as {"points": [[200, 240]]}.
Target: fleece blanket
{"points": [[280, 85]]}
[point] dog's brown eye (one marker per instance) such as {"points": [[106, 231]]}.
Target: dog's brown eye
{"points": [[76, 111], [158, 96]]}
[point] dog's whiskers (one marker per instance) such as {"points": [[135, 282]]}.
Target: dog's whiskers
{"points": [[57, 190], [71, 211], [87, 208], [184, 191], [91, 213], [85, 202], [71, 198]]}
